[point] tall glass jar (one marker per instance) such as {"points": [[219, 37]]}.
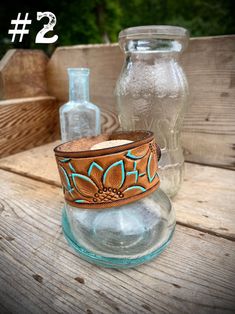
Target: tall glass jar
{"points": [[152, 92]]}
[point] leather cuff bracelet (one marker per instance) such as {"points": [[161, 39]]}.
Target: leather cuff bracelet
{"points": [[111, 176]]}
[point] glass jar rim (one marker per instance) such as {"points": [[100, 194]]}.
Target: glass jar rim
{"points": [[158, 31]]}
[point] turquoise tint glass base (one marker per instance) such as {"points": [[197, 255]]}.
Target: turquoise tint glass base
{"points": [[107, 261]]}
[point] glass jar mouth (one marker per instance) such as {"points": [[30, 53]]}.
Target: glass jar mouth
{"points": [[154, 39], [154, 31]]}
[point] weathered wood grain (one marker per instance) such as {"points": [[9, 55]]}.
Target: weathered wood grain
{"points": [[208, 131], [105, 62], [26, 123], [209, 126], [22, 74], [217, 147], [205, 202], [40, 273]]}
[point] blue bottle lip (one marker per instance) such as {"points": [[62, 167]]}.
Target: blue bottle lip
{"points": [[80, 71]]}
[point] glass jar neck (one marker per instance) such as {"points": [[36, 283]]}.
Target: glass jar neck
{"points": [[78, 84]]}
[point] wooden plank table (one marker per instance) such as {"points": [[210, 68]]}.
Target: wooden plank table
{"points": [[40, 273]]}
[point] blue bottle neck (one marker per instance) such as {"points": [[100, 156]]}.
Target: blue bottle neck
{"points": [[78, 84]]}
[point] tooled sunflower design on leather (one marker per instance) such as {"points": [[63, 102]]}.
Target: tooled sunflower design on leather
{"points": [[109, 184]]}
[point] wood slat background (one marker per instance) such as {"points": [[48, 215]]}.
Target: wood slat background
{"points": [[208, 135], [22, 74], [28, 116], [26, 123]]}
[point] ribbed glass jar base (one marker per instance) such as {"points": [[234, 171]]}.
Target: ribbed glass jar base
{"points": [[124, 236]]}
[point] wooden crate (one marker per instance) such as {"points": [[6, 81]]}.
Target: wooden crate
{"points": [[208, 132]]}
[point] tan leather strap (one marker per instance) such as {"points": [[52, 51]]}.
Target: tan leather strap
{"points": [[108, 177]]}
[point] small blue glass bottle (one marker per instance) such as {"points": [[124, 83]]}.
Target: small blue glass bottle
{"points": [[79, 117]]}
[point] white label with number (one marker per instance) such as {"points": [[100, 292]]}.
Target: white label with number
{"points": [[40, 39]]}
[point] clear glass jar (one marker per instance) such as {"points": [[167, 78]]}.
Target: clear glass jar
{"points": [[152, 92], [124, 236]]}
